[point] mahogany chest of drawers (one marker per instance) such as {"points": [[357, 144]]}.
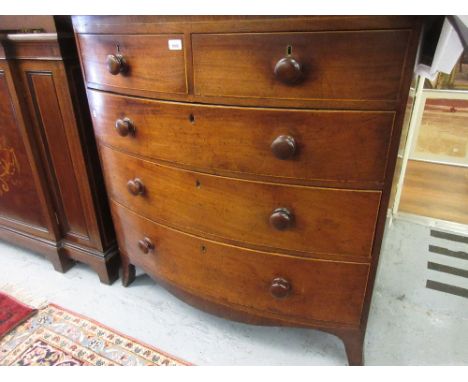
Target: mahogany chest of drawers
{"points": [[249, 160]]}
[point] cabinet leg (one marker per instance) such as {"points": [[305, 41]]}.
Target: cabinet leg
{"points": [[354, 345], [108, 269], [128, 272], [61, 262]]}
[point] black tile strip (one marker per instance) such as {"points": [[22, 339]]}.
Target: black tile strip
{"points": [[448, 252], [447, 269], [449, 236], [451, 289]]}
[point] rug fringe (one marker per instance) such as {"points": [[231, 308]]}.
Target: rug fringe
{"points": [[24, 295]]}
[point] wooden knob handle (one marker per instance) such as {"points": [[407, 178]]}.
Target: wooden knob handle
{"points": [[145, 245], [116, 64], [288, 71], [124, 127], [280, 287], [281, 219], [283, 147], [136, 186]]}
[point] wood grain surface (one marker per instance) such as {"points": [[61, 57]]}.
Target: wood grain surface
{"points": [[161, 71], [320, 290], [436, 190], [328, 221], [336, 147], [242, 65]]}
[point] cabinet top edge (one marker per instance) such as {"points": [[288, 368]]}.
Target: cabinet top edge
{"points": [[207, 24]]}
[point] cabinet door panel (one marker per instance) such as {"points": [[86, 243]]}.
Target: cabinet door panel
{"points": [[42, 86], [19, 197]]}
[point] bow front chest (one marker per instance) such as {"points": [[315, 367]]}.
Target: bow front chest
{"points": [[249, 160]]}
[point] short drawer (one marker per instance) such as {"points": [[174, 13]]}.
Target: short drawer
{"points": [[136, 62], [348, 65], [292, 218], [261, 282], [330, 146]]}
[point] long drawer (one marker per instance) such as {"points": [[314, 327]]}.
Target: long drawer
{"points": [[345, 65], [293, 218], [349, 148], [259, 281]]}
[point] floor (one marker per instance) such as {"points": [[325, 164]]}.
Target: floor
{"points": [[436, 190], [409, 324]]}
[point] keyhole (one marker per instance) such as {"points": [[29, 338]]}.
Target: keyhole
{"points": [[118, 47], [191, 118], [203, 249], [289, 50], [197, 183]]}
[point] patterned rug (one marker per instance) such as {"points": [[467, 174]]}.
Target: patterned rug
{"points": [[58, 337], [12, 313]]}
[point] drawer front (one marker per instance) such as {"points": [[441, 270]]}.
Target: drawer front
{"points": [[362, 65], [138, 62], [259, 281], [293, 218], [340, 146]]}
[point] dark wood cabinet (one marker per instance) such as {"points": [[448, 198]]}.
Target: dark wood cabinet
{"points": [[249, 160], [52, 196]]}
